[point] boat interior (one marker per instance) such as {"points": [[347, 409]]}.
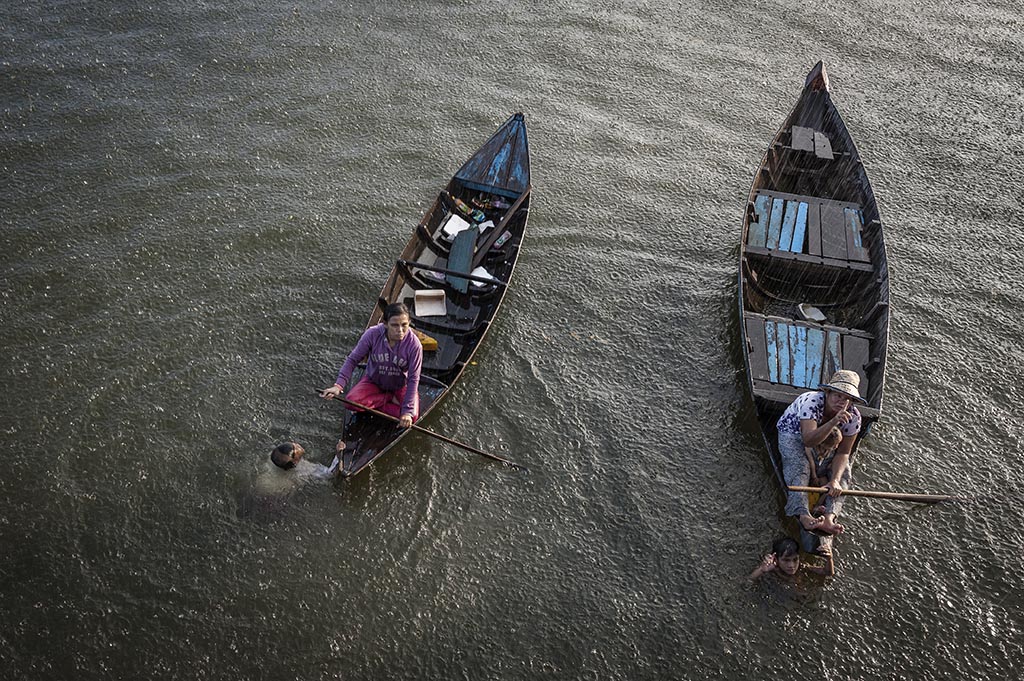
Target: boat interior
{"points": [[452, 276], [813, 269], [454, 272], [813, 275]]}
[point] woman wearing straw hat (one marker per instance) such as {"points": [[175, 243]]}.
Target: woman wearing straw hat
{"points": [[806, 423]]}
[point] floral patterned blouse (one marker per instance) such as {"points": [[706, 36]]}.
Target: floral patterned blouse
{"points": [[811, 405]]}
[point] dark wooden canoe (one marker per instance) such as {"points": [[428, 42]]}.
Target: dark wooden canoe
{"points": [[496, 182], [812, 236]]}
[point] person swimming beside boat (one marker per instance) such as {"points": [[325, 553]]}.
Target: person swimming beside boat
{"points": [[785, 558], [394, 358], [807, 422], [288, 456], [821, 459], [275, 484]]}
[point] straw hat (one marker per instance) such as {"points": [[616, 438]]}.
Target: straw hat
{"points": [[846, 382]]}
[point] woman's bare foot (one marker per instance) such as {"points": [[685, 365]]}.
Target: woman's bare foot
{"points": [[819, 510], [810, 523], [829, 525]]}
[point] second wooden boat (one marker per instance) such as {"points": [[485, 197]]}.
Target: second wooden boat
{"points": [[453, 275], [813, 274]]}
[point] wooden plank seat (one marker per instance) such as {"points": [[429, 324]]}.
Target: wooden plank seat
{"points": [[458, 320], [431, 276], [791, 356], [444, 358], [449, 349], [809, 139], [785, 394], [808, 229], [813, 141]]}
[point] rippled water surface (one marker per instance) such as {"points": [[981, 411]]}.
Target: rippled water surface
{"points": [[201, 201]]}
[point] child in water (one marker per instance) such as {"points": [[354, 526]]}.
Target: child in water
{"points": [[290, 471], [785, 557], [288, 455], [275, 484]]}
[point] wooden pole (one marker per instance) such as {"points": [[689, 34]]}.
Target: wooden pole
{"points": [[898, 496], [442, 438]]}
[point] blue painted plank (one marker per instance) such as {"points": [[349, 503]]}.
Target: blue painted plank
{"points": [[757, 234], [833, 359], [801, 228], [798, 346], [853, 215], [773, 352], [815, 354], [788, 222], [775, 224], [785, 359], [854, 241]]}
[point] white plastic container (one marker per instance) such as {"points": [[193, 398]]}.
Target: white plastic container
{"points": [[430, 303]]}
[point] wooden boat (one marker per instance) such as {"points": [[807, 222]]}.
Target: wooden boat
{"points": [[813, 275], [453, 275]]}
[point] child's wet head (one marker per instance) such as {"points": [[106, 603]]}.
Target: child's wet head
{"points": [[287, 454], [787, 555]]}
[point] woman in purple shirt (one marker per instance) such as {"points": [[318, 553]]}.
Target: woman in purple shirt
{"points": [[394, 358], [806, 423]]}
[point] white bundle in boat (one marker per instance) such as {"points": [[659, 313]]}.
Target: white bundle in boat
{"points": [[453, 225]]}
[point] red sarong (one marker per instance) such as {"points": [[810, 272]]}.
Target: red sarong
{"points": [[367, 393]]}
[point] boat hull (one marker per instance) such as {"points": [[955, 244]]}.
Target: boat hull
{"points": [[813, 271], [495, 184]]}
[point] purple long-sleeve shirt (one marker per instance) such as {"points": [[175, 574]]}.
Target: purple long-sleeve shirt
{"points": [[389, 368]]}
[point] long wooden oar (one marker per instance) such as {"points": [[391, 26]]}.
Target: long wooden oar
{"points": [[919, 498], [442, 438]]}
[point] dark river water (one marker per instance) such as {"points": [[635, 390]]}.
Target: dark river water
{"points": [[201, 200]]}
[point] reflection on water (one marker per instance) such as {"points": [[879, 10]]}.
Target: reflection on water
{"points": [[201, 204]]}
